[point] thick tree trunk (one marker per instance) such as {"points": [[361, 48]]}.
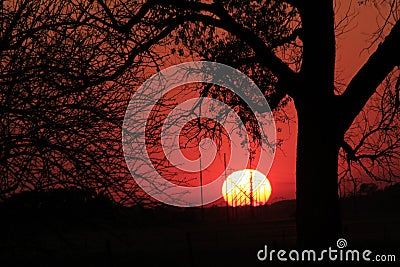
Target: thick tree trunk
{"points": [[318, 215]]}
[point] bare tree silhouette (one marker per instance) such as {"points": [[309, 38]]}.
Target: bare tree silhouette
{"points": [[280, 45], [68, 69], [371, 146]]}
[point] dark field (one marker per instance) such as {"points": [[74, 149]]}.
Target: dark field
{"points": [[115, 236]]}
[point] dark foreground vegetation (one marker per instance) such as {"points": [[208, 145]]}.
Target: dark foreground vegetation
{"points": [[75, 228]]}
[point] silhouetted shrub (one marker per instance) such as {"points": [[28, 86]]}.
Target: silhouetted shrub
{"points": [[71, 198]]}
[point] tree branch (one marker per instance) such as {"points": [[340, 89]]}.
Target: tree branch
{"points": [[370, 76], [288, 79]]}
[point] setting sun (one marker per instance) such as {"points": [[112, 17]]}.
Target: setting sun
{"points": [[246, 187]]}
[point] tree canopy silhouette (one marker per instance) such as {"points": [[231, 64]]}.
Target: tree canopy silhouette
{"points": [[67, 71], [289, 49]]}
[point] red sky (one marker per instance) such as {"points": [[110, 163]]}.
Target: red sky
{"points": [[351, 54]]}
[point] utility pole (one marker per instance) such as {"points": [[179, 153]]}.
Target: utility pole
{"points": [[226, 190], [201, 191], [251, 185], [201, 169]]}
